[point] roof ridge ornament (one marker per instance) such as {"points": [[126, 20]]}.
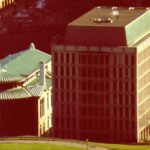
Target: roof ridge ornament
{"points": [[32, 46]]}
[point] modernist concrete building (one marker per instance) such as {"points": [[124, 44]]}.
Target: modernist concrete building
{"points": [[25, 93], [101, 77]]}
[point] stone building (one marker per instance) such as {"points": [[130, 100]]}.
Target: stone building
{"points": [[25, 93]]}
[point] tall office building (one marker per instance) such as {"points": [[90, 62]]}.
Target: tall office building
{"points": [[101, 77]]}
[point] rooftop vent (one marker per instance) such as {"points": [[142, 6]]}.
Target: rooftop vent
{"points": [[115, 15], [101, 20], [131, 8], [114, 8]]}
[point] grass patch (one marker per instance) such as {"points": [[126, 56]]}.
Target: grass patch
{"points": [[37, 147], [62, 146], [121, 146]]}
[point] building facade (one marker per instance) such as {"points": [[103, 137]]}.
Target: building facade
{"points": [[101, 78], [25, 93], [4, 3]]}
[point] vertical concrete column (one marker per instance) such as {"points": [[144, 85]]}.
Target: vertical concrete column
{"points": [[3, 4], [7, 1]]}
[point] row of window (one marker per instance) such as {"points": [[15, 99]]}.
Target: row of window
{"points": [[64, 83], [145, 54], [64, 57], [106, 59], [144, 120], [94, 98], [65, 110], [64, 123], [105, 99], [94, 72], [144, 134], [95, 124], [144, 108], [88, 111], [94, 58], [144, 81], [143, 68], [94, 85], [121, 86], [103, 112], [144, 94]]}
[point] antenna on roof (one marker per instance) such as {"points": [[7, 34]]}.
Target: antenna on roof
{"points": [[32, 46]]}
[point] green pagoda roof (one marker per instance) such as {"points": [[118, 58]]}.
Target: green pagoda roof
{"points": [[25, 62], [6, 76], [15, 93], [18, 66]]}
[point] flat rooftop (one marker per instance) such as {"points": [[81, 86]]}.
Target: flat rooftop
{"points": [[109, 26], [126, 16]]}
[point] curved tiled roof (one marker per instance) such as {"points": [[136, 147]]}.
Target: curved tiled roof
{"points": [[16, 67], [25, 62], [16, 93], [22, 92], [6, 76], [35, 90]]}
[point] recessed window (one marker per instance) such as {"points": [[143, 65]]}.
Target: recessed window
{"points": [[42, 111]]}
